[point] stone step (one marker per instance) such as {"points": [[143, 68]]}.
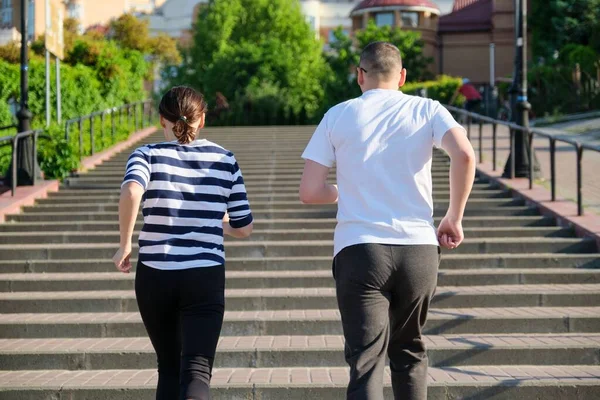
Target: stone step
{"points": [[73, 198], [299, 351], [92, 194], [475, 262], [305, 223], [305, 298], [249, 175], [328, 211], [112, 236], [302, 248], [253, 188], [317, 322], [79, 281], [470, 382], [474, 204]]}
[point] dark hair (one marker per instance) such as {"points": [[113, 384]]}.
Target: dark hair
{"points": [[183, 106], [381, 58]]}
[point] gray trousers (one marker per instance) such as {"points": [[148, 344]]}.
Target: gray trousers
{"points": [[383, 293]]}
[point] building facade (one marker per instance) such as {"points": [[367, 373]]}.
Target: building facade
{"points": [[88, 12], [459, 42], [175, 18], [414, 15]]}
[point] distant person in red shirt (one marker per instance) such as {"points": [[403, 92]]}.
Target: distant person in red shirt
{"points": [[471, 94]]}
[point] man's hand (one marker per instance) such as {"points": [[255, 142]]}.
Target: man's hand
{"points": [[450, 233], [122, 259]]}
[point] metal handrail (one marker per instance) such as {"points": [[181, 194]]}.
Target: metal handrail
{"points": [[146, 108], [531, 132], [14, 141]]}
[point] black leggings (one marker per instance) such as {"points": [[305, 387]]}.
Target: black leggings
{"points": [[183, 313]]}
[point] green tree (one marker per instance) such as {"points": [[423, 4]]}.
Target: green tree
{"points": [[345, 54], [409, 42], [134, 34], [251, 49], [556, 23]]}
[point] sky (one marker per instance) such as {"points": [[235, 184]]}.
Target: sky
{"points": [[445, 5]]}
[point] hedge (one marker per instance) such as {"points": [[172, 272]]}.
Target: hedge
{"points": [[442, 89]]}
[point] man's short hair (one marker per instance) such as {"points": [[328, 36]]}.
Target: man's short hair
{"points": [[381, 59]]}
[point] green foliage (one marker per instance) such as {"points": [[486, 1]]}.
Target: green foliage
{"points": [[556, 23], [56, 158], [253, 51], [409, 42], [441, 89], [133, 34], [345, 55]]}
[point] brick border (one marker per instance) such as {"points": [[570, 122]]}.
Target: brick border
{"points": [[27, 195], [565, 211]]}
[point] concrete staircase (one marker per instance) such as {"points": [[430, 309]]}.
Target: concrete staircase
{"points": [[516, 315]]}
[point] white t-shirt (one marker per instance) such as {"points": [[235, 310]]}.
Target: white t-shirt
{"points": [[382, 143]]}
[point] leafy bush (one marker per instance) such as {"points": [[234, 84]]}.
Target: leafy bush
{"points": [[56, 157], [441, 89]]}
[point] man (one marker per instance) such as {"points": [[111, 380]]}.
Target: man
{"points": [[386, 246], [470, 93]]}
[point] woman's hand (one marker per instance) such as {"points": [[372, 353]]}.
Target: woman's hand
{"points": [[122, 259]]}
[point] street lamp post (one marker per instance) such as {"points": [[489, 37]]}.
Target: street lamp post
{"points": [[518, 92], [27, 169]]}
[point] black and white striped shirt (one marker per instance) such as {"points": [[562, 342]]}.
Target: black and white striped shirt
{"points": [[188, 189]]}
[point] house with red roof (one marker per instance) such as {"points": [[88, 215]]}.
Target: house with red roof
{"points": [[458, 42]]}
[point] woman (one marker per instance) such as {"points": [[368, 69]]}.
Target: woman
{"points": [[193, 193]]}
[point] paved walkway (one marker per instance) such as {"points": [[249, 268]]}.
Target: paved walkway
{"points": [[566, 163]]}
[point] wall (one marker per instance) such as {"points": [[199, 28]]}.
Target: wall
{"points": [[175, 18]]}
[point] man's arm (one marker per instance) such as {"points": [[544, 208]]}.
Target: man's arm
{"points": [[462, 176], [314, 188]]}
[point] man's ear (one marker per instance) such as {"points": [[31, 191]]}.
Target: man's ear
{"points": [[360, 77], [162, 122], [402, 81]]}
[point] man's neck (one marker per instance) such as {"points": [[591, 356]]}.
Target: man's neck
{"points": [[380, 86]]}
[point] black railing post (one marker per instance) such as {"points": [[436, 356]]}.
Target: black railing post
{"points": [[80, 123], [494, 149], [579, 180], [469, 127], [530, 164], [135, 117], [512, 151], [102, 128], [34, 157], [112, 123], [92, 135], [480, 141], [13, 183], [553, 168]]}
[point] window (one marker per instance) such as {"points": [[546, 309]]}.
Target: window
{"points": [[384, 19], [331, 37], [6, 12], [31, 20], [410, 19]]}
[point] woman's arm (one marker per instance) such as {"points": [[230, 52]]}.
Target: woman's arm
{"points": [[239, 233], [129, 204]]}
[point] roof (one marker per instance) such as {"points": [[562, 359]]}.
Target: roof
{"points": [[475, 17], [459, 4], [366, 4]]}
